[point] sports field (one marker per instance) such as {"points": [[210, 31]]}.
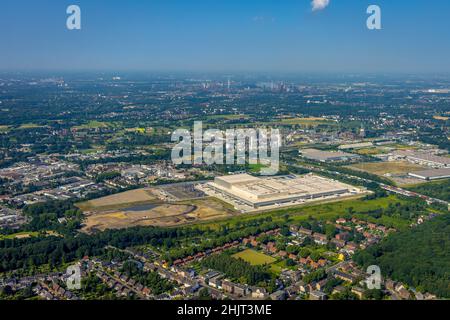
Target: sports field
{"points": [[254, 258]]}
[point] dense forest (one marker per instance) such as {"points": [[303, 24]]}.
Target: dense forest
{"points": [[439, 190], [237, 269], [28, 253], [419, 257]]}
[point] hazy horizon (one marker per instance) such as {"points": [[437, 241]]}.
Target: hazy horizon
{"points": [[225, 36]]}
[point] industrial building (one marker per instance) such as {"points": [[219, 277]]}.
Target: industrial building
{"points": [[328, 156], [434, 174], [422, 158], [244, 190]]}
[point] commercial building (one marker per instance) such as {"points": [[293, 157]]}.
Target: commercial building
{"points": [[434, 174], [328, 156], [261, 193]]}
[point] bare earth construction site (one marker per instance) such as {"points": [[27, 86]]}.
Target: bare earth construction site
{"points": [[150, 207]]}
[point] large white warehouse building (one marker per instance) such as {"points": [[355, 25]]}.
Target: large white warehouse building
{"points": [[259, 193]]}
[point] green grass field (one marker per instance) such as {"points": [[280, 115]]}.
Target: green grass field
{"points": [[30, 126], [324, 211], [254, 258], [20, 235], [93, 125]]}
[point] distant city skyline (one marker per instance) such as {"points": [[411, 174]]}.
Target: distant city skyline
{"points": [[226, 36]]}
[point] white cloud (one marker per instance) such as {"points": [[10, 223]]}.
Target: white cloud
{"points": [[319, 4]]}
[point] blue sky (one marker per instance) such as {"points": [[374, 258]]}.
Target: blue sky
{"points": [[225, 35]]}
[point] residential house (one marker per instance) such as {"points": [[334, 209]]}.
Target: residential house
{"points": [[278, 295], [305, 232], [146, 291], [302, 287], [322, 262], [372, 226], [343, 236], [338, 290], [390, 285], [240, 290], [403, 292], [320, 286], [216, 282], [320, 239], [317, 295], [344, 276], [338, 243], [358, 291], [227, 286], [259, 293], [292, 256]]}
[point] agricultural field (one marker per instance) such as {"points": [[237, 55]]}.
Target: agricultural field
{"points": [[254, 258]]}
